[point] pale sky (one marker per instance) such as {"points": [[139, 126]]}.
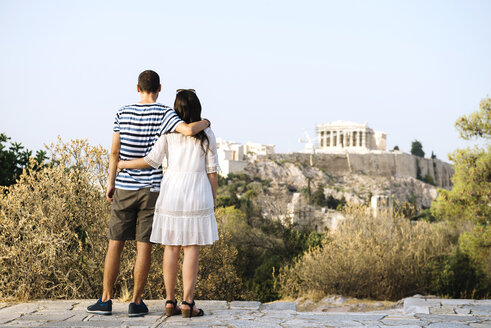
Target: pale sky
{"points": [[265, 71]]}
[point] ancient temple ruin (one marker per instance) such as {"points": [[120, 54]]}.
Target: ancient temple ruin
{"points": [[349, 136]]}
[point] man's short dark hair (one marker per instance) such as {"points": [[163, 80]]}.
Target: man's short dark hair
{"points": [[149, 81]]}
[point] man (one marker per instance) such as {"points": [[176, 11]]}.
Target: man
{"points": [[133, 193]]}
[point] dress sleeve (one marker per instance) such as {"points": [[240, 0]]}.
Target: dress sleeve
{"points": [[212, 165], [156, 156], [170, 122]]}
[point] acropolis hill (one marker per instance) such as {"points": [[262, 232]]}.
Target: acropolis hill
{"points": [[349, 161], [395, 164], [342, 148]]}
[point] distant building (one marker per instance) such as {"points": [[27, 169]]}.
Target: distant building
{"points": [[233, 157], [349, 136]]}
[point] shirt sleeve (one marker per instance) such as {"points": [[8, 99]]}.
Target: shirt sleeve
{"points": [[212, 165], [170, 122], [156, 156], [116, 123]]}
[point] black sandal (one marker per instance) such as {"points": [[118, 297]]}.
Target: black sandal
{"points": [[190, 313], [174, 310]]}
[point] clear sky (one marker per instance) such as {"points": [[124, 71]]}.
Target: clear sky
{"points": [[265, 71]]}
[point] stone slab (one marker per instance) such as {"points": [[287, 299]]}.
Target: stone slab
{"points": [[26, 323], [420, 305], [212, 305], [442, 310], [22, 308], [279, 306], [245, 305], [403, 326], [486, 324], [479, 309], [7, 317], [447, 325], [455, 302], [248, 314], [447, 318], [341, 316]]}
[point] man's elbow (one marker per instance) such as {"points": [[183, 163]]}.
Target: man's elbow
{"points": [[186, 129]]}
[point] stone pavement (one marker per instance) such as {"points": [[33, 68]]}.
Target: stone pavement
{"points": [[417, 312]]}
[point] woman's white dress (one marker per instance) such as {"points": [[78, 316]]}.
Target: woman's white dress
{"points": [[184, 213]]}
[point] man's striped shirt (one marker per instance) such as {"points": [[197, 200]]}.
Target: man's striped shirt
{"points": [[139, 127]]}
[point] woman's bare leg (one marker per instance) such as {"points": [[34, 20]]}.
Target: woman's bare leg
{"points": [[170, 263], [190, 271]]}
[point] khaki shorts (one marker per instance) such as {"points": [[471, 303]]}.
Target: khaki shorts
{"points": [[132, 214]]}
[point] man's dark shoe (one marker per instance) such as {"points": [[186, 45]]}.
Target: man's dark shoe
{"points": [[101, 307], [137, 310]]}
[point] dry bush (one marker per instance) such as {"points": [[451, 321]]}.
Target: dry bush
{"points": [[53, 225], [51, 245], [93, 161], [368, 257], [217, 278]]}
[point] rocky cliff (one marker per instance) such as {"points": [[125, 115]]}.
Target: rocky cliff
{"points": [[387, 165], [353, 177]]}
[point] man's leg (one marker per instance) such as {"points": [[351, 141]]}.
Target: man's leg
{"points": [[111, 267], [142, 266], [170, 264]]}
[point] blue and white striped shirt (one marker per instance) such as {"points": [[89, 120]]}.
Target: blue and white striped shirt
{"points": [[139, 127]]}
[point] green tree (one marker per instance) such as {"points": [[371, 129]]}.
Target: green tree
{"points": [[417, 149], [429, 179], [477, 124], [470, 196], [14, 158], [396, 147], [318, 197]]}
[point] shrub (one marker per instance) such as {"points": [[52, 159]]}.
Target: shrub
{"points": [[456, 276], [368, 257], [217, 277], [53, 225], [52, 237], [429, 179]]}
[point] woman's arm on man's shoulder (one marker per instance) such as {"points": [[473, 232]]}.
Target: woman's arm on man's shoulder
{"points": [[190, 129]]}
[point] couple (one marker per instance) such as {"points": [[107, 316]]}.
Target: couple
{"points": [[182, 215]]}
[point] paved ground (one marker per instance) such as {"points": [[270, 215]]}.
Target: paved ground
{"points": [[417, 312]]}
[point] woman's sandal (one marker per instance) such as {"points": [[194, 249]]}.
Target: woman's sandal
{"points": [[188, 313], [174, 310]]}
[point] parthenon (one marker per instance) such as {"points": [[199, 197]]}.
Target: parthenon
{"points": [[349, 136]]}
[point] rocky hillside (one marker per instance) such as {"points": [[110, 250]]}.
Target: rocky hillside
{"points": [[355, 181]]}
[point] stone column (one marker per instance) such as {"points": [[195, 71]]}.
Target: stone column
{"points": [[364, 139]]}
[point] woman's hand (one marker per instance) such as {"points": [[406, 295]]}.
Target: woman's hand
{"points": [[120, 165]]}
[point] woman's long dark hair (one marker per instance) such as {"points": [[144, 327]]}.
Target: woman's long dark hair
{"points": [[188, 107]]}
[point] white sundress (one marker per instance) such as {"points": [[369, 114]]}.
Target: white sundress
{"points": [[184, 213]]}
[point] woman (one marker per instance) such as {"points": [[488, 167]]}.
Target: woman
{"points": [[184, 212]]}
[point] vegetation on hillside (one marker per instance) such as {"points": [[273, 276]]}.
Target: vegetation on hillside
{"points": [[468, 203], [53, 223]]}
